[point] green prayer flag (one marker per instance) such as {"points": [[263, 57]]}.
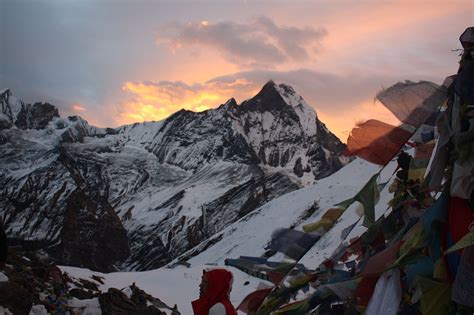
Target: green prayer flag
{"points": [[414, 239], [367, 196], [346, 203], [435, 298], [467, 240], [274, 300], [296, 308], [300, 281]]}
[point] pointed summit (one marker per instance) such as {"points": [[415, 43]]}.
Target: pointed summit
{"points": [[307, 115], [269, 89], [283, 99], [268, 99], [229, 104], [269, 85]]}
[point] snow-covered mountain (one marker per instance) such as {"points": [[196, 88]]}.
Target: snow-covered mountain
{"points": [[140, 195]]}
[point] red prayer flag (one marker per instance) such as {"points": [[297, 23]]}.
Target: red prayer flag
{"points": [[252, 302], [365, 289], [378, 263], [376, 141]]}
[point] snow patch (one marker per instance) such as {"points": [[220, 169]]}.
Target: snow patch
{"points": [[87, 306], [38, 310], [5, 311], [3, 277]]}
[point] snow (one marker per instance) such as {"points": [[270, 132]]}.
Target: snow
{"points": [[87, 306], [38, 310], [177, 286], [140, 133], [5, 311], [127, 291], [249, 235], [3, 277]]}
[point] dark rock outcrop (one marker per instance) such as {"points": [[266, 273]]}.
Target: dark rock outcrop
{"points": [[36, 116], [33, 279], [115, 302], [16, 298]]}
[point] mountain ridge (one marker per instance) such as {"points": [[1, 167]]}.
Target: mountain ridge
{"points": [[161, 187]]}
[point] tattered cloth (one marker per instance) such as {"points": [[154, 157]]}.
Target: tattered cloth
{"points": [[412, 103], [467, 38], [292, 243]]}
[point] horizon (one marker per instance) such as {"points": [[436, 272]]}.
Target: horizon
{"points": [[117, 63], [239, 103]]}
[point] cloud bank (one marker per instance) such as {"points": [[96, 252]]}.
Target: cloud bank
{"points": [[258, 43]]}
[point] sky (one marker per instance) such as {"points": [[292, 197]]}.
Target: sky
{"points": [[116, 62]]}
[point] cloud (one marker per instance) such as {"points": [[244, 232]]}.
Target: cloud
{"points": [[157, 100], [258, 43], [78, 108]]}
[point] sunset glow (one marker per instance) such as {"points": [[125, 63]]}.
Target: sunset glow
{"points": [[341, 125], [157, 101], [155, 58]]}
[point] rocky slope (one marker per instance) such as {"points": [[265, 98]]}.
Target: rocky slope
{"points": [[30, 283], [137, 196]]}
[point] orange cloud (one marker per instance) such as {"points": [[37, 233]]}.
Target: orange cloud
{"points": [[156, 101], [78, 108]]}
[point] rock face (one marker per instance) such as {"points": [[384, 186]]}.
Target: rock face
{"points": [[137, 196], [9, 108], [92, 234], [24, 116], [36, 116]]}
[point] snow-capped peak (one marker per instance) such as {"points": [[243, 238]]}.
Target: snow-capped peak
{"points": [[306, 113]]}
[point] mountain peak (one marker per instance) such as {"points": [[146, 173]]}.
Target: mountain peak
{"points": [[283, 98], [268, 99], [229, 104], [270, 84]]}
